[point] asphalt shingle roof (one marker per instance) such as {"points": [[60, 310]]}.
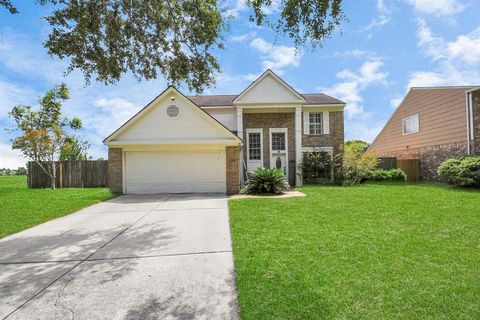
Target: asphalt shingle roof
{"points": [[227, 100]]}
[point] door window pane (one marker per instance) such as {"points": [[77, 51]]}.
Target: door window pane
{"points": [[278, 141]]}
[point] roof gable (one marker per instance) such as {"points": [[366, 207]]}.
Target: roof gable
{"points": [[153, 125], [269, 88]]}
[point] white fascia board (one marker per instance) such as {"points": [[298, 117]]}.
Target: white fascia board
{"points": [[228, 142]]}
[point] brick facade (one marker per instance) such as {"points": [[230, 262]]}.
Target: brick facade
{"points": [[232, 165], [335, 139], [476, 123], [115, 182], [287, 120], [273, 120], [430, 157]]}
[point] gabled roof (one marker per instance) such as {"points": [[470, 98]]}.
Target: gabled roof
{"points": [[150, 105], [419, 93], [267, 73], [227, 100]]}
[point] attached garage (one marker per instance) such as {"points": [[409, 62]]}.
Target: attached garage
{"points": [[173, 146], [150, 172]]}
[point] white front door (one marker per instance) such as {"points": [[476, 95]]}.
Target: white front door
{"points": [[279, 149], [254, 149]]}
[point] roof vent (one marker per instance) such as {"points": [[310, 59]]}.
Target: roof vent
{"points": [[173, 111]]}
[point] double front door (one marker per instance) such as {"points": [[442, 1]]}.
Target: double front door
{"points": [[277, 149]]}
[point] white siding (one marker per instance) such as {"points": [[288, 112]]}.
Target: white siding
{"points": [[227, 117], [268, 89]]}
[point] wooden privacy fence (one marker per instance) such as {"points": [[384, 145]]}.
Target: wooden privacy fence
{"points": [[387, 163], [411, 167], [70, 174]]}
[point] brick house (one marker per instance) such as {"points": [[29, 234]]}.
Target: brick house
{"points": [[432, 124], [183, 143]]}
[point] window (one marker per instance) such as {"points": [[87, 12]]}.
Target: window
{"points": [[278, 141], [411, 125], [254, 147], [315, 122]]}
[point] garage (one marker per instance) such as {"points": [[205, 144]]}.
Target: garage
{"points": [[173, 146], [198, 171]]}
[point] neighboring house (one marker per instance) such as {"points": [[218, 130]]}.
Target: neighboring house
{"points": [[432, 124], [209, 143]]}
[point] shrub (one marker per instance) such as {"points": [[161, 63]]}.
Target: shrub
{"points": [[353, 167], [461, 171], [316, 166], [387, 175], [266, 180]]}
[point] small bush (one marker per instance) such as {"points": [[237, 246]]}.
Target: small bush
{"points": [[316, 167], [266, 180], [461, 171], [387, 175], [354, 167]]}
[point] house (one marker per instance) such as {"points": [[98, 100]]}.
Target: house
{"points": [[181, 143], [432, 124]]}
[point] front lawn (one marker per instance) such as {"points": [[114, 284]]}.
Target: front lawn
{"points": [[21, 208], [369, 252]]}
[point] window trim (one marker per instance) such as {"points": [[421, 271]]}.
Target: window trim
{"points": [[320, 124], [260, 131], [404, 121]]}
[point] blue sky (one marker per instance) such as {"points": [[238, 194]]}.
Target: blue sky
{"points": [[369, 62]]}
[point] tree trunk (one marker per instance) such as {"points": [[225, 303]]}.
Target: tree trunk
{"points": [[53, 176]]}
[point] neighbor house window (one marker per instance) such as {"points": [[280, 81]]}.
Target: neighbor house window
{"points": [[315, 122], [411, 124], [254, 147]]}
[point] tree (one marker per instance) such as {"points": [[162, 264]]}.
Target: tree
{"points": [[74, 149], [107, 38], [21, 171], [358, 146], [43, 132]]}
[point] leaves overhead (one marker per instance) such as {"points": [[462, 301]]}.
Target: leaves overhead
{"points": [[176, 39]]}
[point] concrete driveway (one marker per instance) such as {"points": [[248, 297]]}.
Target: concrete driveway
{"points": [[132, 257]]}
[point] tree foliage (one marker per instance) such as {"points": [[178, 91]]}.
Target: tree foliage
{"points": [[43, 132], [358, 146], [74, 148], [107, 38]]}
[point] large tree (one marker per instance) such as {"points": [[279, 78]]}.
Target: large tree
{"points": [[107, 38], [42, 133]]}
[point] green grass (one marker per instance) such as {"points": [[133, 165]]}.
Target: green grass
{"points": [[22, 208], [370, 252]]}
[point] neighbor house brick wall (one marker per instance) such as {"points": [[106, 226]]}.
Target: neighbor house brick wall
{"points": [[334, 139], [273, 120], [476, 123], [233, 176], [115, 169], [430, 157]]}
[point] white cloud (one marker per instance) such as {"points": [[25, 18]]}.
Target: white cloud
{"points": [[9, 158], [276, 57], [243, 37], [235, 7], [455, 63], [437, 7], [466, 47], [395, 102], [354, 83], [383, 17]]}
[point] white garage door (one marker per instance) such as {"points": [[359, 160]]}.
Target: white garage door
{"points": [[150, 172]]}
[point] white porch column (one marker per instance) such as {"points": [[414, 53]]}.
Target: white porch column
{"points": [[240, 135], [298, 144]]}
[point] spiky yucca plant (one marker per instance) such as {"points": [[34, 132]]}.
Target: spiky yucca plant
{"points": [[267, 180]]}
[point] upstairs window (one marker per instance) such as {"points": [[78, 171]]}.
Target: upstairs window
{"points": [[411, 125], [315, 122]]}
